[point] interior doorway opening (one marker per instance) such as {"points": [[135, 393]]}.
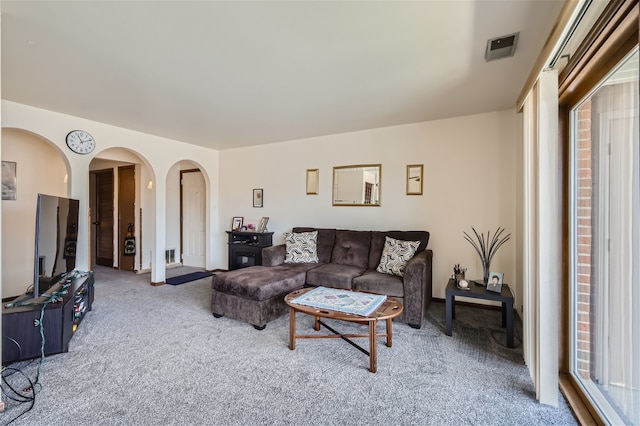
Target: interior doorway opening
{"points": [[192, 218]]}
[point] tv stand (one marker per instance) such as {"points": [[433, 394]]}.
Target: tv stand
{"points": [[20, 330]]}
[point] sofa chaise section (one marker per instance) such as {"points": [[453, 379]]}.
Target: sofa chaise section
{"points": [[255, 295]]}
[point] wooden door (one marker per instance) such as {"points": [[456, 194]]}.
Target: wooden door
{"points": [[126, 214], [103, 217], [193, 227]]}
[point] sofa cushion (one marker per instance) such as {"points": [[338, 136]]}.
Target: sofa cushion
{"points": [[301, 247], [333, 275], [378, 239], [326, 238], [262, 282], [395, 255], [376, 282], [351, 248]]}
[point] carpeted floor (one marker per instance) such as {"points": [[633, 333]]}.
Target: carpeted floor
{"points": [[156, 355]]}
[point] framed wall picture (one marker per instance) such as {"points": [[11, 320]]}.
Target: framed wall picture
{"points": [[414, 179], [9, 181], [312, 181], [258, 200], [495, 282], [236, 223]]}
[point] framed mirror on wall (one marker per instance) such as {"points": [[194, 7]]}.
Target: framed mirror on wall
{"points": [[414, 179], [312, 181], [358, 185]]}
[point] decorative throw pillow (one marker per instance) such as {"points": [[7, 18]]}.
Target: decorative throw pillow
{"points": [[395, 256], [302, 247]]}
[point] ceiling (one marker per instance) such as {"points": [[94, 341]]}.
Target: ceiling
{"points": [[232, 74]]}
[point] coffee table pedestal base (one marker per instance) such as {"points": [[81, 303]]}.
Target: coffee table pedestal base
{"points": [[372, 335]]}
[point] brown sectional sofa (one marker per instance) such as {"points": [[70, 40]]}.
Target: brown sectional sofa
{"points": [[347, 259]]}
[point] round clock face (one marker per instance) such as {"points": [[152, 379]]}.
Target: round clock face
{"points": [[80, 141]]}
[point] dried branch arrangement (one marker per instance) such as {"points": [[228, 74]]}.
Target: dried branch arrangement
{"points": [[486, 247]]}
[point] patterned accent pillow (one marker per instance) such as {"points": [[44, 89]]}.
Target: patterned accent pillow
{"points": [[302, 247], [395, 256]]}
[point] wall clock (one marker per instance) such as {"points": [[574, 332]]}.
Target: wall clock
{"points": [[80, 142]]}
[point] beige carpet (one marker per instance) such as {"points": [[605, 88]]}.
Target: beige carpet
{"points": [[156, 356]]}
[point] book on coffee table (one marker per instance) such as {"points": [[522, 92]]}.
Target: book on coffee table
{"points": [[351, 302]]}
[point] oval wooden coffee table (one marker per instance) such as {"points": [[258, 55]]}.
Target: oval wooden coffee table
{"points": [[388, 310]]}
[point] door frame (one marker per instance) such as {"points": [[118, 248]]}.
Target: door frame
{"points": [[123, 260]]}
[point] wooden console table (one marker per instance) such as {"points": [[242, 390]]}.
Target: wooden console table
{"points": [[479, 292]]}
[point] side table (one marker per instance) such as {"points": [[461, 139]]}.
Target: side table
{"points": [[479, 292]]}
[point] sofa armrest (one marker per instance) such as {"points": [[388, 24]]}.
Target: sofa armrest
{"points": [[418, 286], [273, 255]]}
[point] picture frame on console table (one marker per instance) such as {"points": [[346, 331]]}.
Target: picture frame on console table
{"points": [[495, 281], [262, 226], [236, 223], [258, 200]]}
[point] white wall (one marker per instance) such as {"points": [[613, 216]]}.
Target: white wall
{"points": [[53, 127], [40, 168], [469, 180]]}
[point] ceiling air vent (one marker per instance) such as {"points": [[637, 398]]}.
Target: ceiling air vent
{"points": [[501, 47]]}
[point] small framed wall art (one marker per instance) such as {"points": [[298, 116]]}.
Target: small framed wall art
{"points": [[414, 179], [312, 181], [236, 224], [258, 200], [9, 181]]}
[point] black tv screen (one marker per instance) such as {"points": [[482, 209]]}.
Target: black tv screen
{"points": [[56, 239]]}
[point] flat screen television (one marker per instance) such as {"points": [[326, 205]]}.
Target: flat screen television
{"points": [[56, 239]]}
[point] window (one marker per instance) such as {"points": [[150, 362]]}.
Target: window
{"points": [[604, 238]]}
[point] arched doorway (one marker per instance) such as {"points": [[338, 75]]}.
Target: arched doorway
{"points": [[116, 199], [193, 224]]}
